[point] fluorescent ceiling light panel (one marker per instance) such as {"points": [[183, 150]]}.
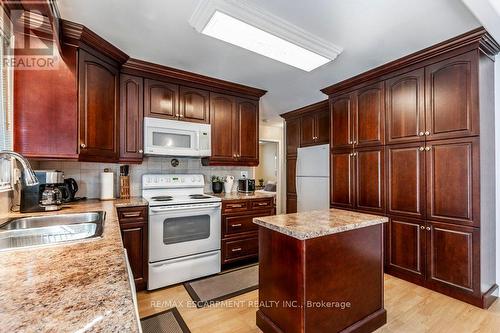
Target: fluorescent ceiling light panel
{"points": [[243, 24], [239, 33]]}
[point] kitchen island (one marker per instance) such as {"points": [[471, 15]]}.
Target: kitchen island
{"points": [[321, 271]]}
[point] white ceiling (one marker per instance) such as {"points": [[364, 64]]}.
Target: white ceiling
{"points": [[371, 33]]}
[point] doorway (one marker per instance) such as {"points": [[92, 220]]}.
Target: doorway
{"points": [[268, 172]]}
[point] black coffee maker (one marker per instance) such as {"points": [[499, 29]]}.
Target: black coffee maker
{"points": [[45, 196]]}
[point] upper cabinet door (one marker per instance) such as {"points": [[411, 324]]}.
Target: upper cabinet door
{"points": [[292, 136], [453, 181], [161, 99], [406, 180], [370, 184], [131, 118], [98, 108], [405, 107], [322, 127], [247, 136], [307, 129], [452, 107], [194, 105], [369, 119], [341, 179], [341, 109], [222, 119]]}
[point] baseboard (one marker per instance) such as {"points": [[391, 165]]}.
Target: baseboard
{"points": [[369, 323]]}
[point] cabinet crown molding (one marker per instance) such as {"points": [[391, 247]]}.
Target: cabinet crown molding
{"points": [[322, 105], [178, 74], [475, 39], [75, 34]]}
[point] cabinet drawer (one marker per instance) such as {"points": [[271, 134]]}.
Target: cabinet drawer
{"points": [[132, 214], [239, 249], [238, 224], [239, 206], [261, 204]]}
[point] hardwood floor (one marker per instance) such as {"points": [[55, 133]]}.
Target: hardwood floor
{"points": [[410, 308]]}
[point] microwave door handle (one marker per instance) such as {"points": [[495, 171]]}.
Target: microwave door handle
{"points": [[197, 141]]}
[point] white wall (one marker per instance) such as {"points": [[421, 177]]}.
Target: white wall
{"points": [[497, 161], [87, 174], [276, 133], [268, 162]]}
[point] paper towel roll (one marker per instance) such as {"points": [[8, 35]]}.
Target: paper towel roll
{"points": [[107, 185]]}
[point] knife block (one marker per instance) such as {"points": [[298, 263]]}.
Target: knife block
{"points": [[124, 187]]}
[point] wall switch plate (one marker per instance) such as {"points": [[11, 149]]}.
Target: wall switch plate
{"points": [[244, 174]]}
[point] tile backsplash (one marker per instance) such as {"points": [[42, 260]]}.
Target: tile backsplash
{"points": [[86, 174]]}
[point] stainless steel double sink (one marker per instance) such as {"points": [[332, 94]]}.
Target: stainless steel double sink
{"points": [[50, 229]]}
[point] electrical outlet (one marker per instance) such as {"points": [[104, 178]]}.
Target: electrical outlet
{"points": [[244, 174]]}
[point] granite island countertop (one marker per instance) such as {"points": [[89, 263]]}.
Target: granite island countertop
{"points": [[69, 287], [318, 223], [242, 196]]}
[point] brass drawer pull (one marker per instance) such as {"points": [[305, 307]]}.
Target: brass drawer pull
{"points": [[236, 225], [235, 206], [262, 203], [136, 214], [236, 249]]}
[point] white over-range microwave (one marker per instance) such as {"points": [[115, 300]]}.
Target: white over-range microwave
{"points": [[176, 138]]}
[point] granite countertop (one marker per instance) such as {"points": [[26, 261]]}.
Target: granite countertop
{"points": [[77, 286], [318, 223], [242, 196]]}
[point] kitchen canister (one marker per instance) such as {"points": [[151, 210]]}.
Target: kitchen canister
{"points": [[107, 185], [228, 183]]}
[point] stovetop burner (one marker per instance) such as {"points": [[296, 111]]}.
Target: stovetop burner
{"points": [[162, 198], [198, 196]]}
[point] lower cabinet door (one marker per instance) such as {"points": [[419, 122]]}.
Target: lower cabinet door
{"points": [[135, 240], [341, 179], [405, 248], [453, 257], [369, 176]]}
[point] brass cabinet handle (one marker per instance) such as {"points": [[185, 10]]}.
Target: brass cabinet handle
{"points": [[83, 145], [422, 227], [237, 225], [354, 142], [262, 203], [421, 148], [428, 228], [427, 133], [427, 148], [181, 116], [350, 142], [421, 133], [141, 151], [236, 249], [235, 206]]}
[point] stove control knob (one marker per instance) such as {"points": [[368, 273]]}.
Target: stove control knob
{"points": [[183, 180], [155, 180], [193, 180]]}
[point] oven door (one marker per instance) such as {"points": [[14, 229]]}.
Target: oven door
{"points": [[177, 232], [167, 137]]}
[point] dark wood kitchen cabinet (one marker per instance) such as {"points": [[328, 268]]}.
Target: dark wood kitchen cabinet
{"points": [[406, 180], [161, 99], [134, 231], [452, 105], [437, 163], [405, 108], [453, 178], [98, 99], [240, 241], [194, 105], [246, 139], [131, 118], [304, 127], [235, 131], [357, 179]]}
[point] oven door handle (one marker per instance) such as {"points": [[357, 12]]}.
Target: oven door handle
{"points": [[170, 209]]}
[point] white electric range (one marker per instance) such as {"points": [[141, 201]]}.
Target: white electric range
{"points": [[184, 229]]}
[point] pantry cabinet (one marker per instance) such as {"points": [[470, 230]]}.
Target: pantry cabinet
{"points": [[437, 163]]}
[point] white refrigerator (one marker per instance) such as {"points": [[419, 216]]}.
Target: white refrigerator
{"points": [[313, 178]]}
